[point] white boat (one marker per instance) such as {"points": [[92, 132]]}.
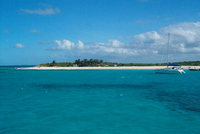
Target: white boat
{"points": [[171, 68]]}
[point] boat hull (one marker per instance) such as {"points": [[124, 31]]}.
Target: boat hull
{"points": [[194, 69], [169, 71]]}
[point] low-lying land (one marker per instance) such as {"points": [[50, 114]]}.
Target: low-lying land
{"points": [[95, 64], [101, 68], [101, 63]]}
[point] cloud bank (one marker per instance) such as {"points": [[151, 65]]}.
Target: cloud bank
{"points": [[150, 45]]}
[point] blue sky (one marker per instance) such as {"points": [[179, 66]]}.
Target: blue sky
{"points": [[40, 31]]}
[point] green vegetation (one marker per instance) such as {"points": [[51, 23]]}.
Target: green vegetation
{"points": [[91, 62], [97, 63], [188, 63], [60, 64]]}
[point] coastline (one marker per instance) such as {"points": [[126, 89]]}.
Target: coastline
{"points": [[100, 68]]}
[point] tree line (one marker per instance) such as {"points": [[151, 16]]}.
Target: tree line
{"points": [[99, 62], [91, 62]]}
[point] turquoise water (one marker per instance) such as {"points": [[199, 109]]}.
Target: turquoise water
{"points": [[99, 101]]}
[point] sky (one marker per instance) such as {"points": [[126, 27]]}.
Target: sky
{"points": [[124, 31]]}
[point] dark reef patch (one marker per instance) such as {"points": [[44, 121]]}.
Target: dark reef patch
{"points": [[88, 86], [187, 100]]}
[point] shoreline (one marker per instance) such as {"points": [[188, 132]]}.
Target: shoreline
{"points": [[100, 68]]}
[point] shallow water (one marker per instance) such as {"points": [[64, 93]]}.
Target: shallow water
{"points": [[99, 101]]}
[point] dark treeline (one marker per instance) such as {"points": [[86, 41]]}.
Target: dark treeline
{"points": [[91, 62], [99, 62]]}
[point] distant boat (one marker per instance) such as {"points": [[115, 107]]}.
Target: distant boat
{"points": [[194, 69], [171, 68]]}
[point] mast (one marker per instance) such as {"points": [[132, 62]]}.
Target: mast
{"points": [[168, 49]]}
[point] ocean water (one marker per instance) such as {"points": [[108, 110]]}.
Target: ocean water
{"points": [[99, 101]]}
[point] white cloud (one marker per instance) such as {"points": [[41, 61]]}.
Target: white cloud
{"points": [[80, 45], [150, 45], [128, 52], [63, 45], [186, 33], [184, 38], [48, 10], [67, 45], [19, 46], [148, 37], [112, 47], [115, 43]]}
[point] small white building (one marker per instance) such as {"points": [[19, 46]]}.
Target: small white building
{"points": [[75, 65]]}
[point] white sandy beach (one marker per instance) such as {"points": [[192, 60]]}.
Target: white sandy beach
{"points": [[101, 68]]}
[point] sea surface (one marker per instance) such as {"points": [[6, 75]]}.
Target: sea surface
{"points": [[98, 102]]}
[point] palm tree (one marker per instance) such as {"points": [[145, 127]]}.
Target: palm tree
{"points": [[53, 63], [85, 62], [76, 62]]}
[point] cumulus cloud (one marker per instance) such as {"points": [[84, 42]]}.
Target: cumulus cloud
{"points": [[186, 33], [148, 37], [112, 46], [62, 45], [115, 43], [19, 46], [150, 45], [126, 51], [80, 45], [48, 10], [184, 38], [67, 45]]}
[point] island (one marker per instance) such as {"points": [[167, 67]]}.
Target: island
{"points": [[98, 64]]}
